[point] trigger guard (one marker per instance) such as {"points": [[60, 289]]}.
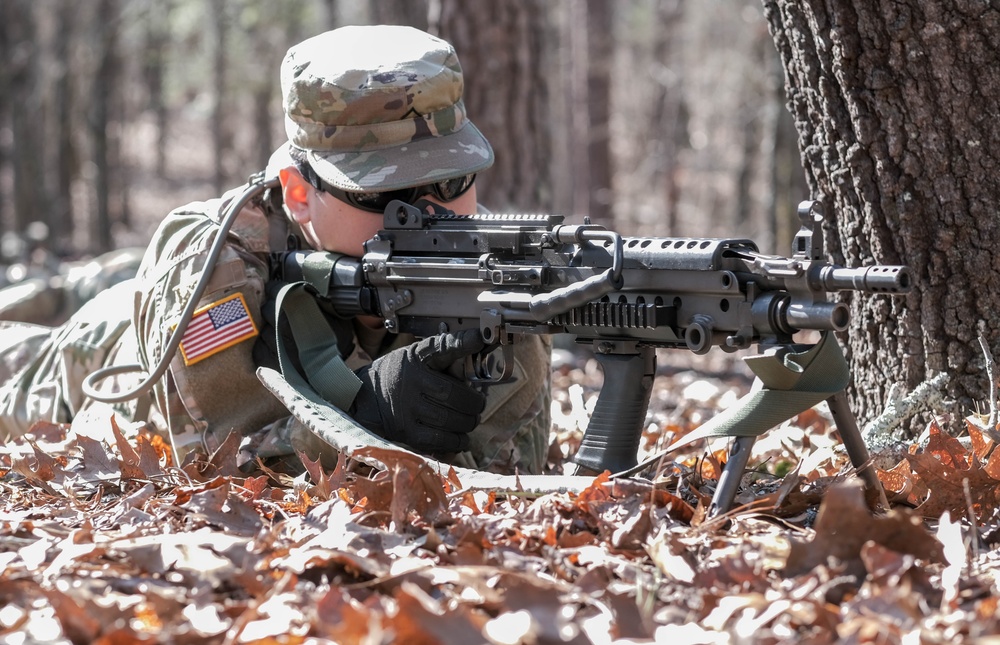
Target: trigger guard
{"points": [[485, 368]]}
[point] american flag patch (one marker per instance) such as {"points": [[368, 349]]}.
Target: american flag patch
{"points": [[216, 327]]}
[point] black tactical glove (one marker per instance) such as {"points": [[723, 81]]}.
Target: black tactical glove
{"points": [[405, 395]]}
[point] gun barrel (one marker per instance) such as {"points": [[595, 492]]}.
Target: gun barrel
{"points": [[821, 315], [874, 279]]}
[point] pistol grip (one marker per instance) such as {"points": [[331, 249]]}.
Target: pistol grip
{"points": [[611, 441]]}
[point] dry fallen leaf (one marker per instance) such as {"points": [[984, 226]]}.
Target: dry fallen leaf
{"points": [[845, 524], [954, 478], [102, 540]]}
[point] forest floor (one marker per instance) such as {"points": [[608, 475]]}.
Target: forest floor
{"points": [[104, 539]]}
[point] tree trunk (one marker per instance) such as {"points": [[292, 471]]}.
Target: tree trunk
{"points": [[220, 110], [576, 108], [668, 124], [600, 60], [501, 46], [153, 70], [895, 107], [102, 94], [400, 12], [6, 89], [64, 155], [28, 140], [332, 15]]}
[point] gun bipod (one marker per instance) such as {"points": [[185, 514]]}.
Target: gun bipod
{"points": [[847, 426]]}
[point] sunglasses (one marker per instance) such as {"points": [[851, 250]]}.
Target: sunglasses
{"points": [[376, 202]]}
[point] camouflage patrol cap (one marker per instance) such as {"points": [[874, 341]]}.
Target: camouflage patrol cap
{"points": [[380, 108]]}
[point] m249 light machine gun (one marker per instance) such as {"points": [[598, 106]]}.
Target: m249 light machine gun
{"points": [[430, 271]]}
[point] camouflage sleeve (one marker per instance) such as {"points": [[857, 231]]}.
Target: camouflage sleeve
{"points": [[42, 368], [513, 433], [211, 388]]}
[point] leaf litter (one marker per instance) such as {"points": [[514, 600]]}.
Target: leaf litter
{"points": [[104, 539]]}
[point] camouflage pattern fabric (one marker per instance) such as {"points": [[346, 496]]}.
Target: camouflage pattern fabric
{"points": [[51, 299], [512, 436], [380, 118], [43, 367], [203, 401]]}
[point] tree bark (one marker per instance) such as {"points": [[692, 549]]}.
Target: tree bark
{"points": [[895, 106], [600, 61], [154, 69], [28, 140], [668, 126], [576, 107], [102, 95], [6, 89], [221, 136], [400, 12], [501, 46], [65, 154]]}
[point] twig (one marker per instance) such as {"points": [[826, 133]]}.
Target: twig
{"points": [[973, 522], [926, 395]]}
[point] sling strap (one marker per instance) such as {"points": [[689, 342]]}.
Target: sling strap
{"points": [[316, 346]]}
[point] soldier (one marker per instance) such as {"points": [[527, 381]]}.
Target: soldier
{"points": [[372, 114], [50, 297]]}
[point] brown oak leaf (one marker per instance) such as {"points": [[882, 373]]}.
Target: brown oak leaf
{"points": [[845, 524], [955, 478]]}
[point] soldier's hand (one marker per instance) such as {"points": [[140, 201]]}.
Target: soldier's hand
{"points": [[406, 396]]}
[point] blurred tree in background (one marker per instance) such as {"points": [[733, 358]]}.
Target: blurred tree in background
{"points": [[654, 117]]}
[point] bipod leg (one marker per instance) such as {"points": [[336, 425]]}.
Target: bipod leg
{"points": [[847, 426], [732, 474]]}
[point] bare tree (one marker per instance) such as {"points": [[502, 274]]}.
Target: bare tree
{"points": [[6, 89], [502, 48], [600, 62], [154, 68], [331, 13], [29, 142], [64, 153], [895, 103], [669, 118], [575, 105], [221, 136], [103, 91], [400, 12]]}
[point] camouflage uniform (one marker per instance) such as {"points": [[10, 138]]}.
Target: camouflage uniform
{"points": [[407, 128], [51, 299]]}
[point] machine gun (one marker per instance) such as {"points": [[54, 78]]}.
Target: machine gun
{"points": [[430, 271]]}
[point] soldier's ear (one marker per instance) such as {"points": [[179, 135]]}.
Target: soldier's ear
{"points": [[295, 191]]}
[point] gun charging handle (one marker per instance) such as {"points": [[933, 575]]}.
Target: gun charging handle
{"points": [[546, 306]]}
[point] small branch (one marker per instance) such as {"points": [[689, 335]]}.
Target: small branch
{"points": [[973, 521], [925, 396]]}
